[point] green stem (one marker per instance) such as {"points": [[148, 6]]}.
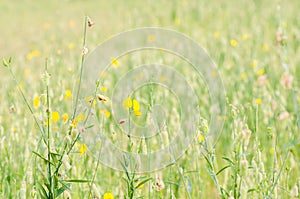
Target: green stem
{"points": [[81, 68], [28, 105], [48, 134], [76, 102]]}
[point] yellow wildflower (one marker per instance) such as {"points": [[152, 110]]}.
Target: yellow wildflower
{"points": [[127, 103], [108, 195], [254, 63], [216, 34], [107, 113], [260, 72], [65, 117], [233, 43], [36, 53], [36, 101], [103, 89], [29, 56], [258, 101], [80, 117], [82, 148], [265, 48], [136, 108], [71, 46], [74, 123], [272, 151], [245, 36], [115, 62], [46, 25], [151, 38], [137, 113], [68, 94], [243, 76], [201, 138], [55, 116], [136, 105]]}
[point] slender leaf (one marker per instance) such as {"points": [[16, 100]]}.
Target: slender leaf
{"points": [[220, 171]]}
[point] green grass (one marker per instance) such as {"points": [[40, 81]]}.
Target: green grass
{"points": [[257, 154]]}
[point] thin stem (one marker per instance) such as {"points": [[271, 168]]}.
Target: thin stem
{"points": [[28, 105], [48, 133], [76, 101], [81, 68]]}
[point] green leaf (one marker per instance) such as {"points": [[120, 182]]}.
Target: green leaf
{"points": [[228, 160], [60, 191], [42, 191], [222, 169], [78, 181], [63, 188], [91, 126], [42, 157], [251, 190], [141, 183]]}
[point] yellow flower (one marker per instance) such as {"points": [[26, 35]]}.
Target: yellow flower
{"points": [[254, 63], [260, 72], [65, 117], [258, 101], [151, 38], [108, 195], [29, 56], [46, 25], [216, 34], [265, 48], [233, 43], [136, 108], [243, 76], [127, 103], [82, 148], [272, 151], [71, 46], [74, 123], [214, 74], [55, 116], [36, 53], [107, 113], [137, 113], [115, 62], [245, 36], [136, 105], [36, 101], [68, 94], [80, 117], [103, 89], [201, 138]]}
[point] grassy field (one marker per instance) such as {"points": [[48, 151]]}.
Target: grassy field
{"points": [[43, 150]]}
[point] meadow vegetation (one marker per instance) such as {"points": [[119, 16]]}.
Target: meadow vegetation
{"points": [[43, 122]]}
